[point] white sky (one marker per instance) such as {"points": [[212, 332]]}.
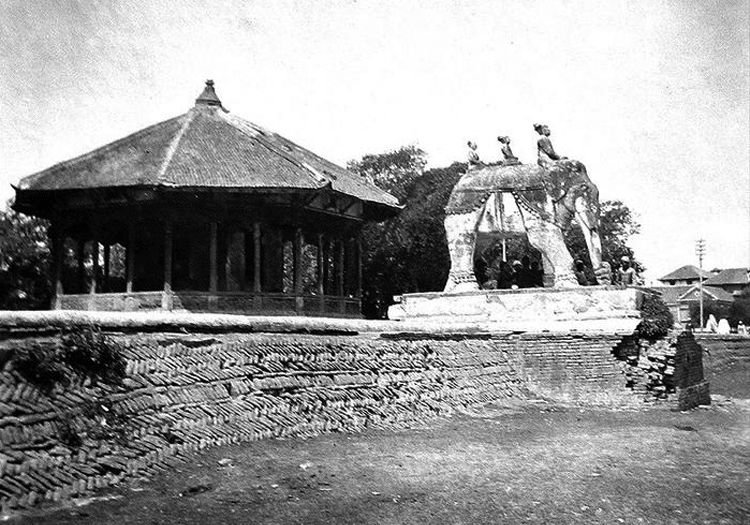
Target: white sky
{"points": [[652, 95]]}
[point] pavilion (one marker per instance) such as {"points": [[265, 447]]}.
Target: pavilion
{"points": [[205, 212]]}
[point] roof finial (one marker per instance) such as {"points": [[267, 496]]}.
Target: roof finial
{"points": [[208, 97]]}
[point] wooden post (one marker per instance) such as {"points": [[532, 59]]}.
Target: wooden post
{"points": [[299, 305], [358, 247], [57, 251], [94, 264], [80, 253], [166, 298], [130, 276], [94, 270], [257, 261], [321, 273], [105, 277], [340, 261], [213, 251]]}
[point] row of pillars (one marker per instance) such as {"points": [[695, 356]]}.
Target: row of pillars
{"points": [[57, 243]]}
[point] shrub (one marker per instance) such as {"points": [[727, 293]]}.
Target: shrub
{"points": [[91, 354], [82, 353], [656, 319], [41, 366]]}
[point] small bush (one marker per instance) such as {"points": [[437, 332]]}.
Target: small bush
{"points": [[656, 319], [82, 353], [41, 367], [91, 354]]}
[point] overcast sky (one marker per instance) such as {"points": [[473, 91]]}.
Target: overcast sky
{"points": [[653, 96]]}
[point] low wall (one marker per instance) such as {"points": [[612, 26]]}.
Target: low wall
{"points": [[726, 360], [227, 383]]}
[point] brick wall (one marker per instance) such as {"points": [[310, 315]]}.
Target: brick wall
{"points": [[726, 360], [658, 369], [184, 392]]}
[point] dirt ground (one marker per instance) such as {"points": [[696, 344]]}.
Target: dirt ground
{"points": [[514, 463]]}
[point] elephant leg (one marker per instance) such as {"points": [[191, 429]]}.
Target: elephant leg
{"points": [[548, 239], [461, 233]]}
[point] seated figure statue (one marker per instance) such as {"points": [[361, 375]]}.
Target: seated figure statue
{"points": [[508, 158], [473, 157], [546, 152]]}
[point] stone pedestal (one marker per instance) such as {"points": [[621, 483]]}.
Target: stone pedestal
{"points": [[592, 308]]}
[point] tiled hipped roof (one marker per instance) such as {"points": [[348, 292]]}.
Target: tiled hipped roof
{"points": [[730, 276], [685, 272], [209, 148]]}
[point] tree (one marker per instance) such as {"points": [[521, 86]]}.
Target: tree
{"points": [[407, 253], [616, 225], [24, 261], [392, 170]]}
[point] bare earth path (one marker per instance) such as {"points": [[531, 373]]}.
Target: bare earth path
{"points": [[534, 463]]}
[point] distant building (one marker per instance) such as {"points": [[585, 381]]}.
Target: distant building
{"points": [[671, 295], [685, 276], [681, 288], [732, 280]]}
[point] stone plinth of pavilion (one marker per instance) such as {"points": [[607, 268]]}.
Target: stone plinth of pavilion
{"points": [[205, 212]]}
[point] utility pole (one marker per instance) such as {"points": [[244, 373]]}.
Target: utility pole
{"points": [[700, 251]]}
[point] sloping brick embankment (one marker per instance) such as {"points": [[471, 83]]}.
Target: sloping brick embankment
{"points": [[226, 383]]}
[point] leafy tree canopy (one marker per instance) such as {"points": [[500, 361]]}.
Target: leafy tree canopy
{"points": [[24, 261], [617, 224], [393, 170]]}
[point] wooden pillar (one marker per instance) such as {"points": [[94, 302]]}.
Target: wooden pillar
{"points": [[57, 254], [257, 261], [94, 270], [80, 253], [213, 263], [94, 264], [130, 254], [358, 247], [299, 304], [105, 277], [340, 262], [321, 273], [166, 298]]}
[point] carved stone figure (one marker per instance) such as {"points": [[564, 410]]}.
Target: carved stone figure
{"points": [[473, 157], [508, 157], [524, 199], [546, 153], [627, 275]]}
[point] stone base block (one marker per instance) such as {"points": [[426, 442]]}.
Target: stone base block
{"points": [[694, 395], [593, 308]]}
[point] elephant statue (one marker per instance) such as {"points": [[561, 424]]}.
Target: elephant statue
{"points": [[540, 202]]}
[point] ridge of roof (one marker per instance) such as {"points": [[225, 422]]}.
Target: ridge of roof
{"points": [[27, 180], [685, 272], [241, 124], [160, 176]]}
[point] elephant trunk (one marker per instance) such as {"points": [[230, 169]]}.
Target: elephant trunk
{"points": [[587, 217]]}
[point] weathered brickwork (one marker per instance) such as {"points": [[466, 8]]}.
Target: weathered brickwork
{"points": [[185, 392], [655, 370]]}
